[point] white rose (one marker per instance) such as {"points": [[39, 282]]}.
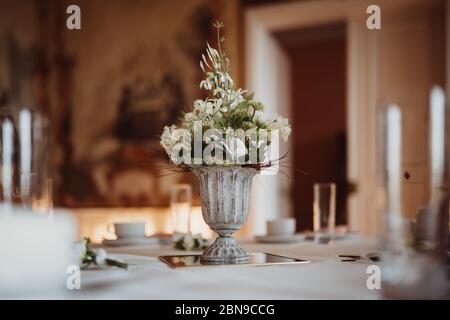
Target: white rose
{"points": [[81, 250], [181, 139], [209, 110], [100, 257], [200, 105], [190, 117], [166, 139], [239, 148], [188, 242], [281, 124]]}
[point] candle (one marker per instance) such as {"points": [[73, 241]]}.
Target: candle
{"points": [[437, 139], [7, 159], [394, 150]]}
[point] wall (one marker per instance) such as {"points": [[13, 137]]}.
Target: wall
{"points": [[110, 87], [16, 39]]}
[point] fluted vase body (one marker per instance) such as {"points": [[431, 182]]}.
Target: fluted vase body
{"points": [[225, 195]]}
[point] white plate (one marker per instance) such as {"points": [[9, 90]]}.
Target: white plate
{"points": [[131, 242], [280, 238]]}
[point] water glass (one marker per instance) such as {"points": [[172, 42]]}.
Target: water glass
{"points": [[35, 192], [180, 208], [324, 209]]}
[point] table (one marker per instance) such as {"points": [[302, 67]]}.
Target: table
{"points": [[326, 277]]}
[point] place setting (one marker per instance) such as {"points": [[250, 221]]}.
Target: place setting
{"points": [[129, 234], [281, 231]]}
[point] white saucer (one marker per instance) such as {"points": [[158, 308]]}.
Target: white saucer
{"points": [[291, 238], [131, 241]]}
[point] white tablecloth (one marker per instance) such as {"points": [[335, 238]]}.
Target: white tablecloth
{"points": [[326, 277]]}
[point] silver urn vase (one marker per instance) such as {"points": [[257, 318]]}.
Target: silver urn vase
{"points": [[225, 196]]}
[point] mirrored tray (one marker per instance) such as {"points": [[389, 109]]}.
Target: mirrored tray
{"points": [[256, 259]]}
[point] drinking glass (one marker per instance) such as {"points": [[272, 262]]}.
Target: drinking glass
{"points": [[324, 209], [180, 208], [35, 192]]}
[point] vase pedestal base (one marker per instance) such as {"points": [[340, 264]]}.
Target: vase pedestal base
{"points": [[224, 251]]}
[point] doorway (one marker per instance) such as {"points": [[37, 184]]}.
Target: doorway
{"points": [[372, 77], [318, 80]]}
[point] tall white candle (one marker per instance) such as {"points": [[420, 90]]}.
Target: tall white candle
{"points": [[437, 138], [7, 159], [25, 137], [394, 151]]}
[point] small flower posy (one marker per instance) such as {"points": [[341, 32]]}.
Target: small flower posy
{"points": [[97, 257], [228, 120], [190, 242]]}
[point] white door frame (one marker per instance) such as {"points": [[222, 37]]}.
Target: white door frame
{"points": [[267, 74]]}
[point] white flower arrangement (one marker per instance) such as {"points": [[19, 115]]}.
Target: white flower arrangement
{"points": [[225, 111], [98, 257]]}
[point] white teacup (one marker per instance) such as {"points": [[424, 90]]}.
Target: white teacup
{"points": [[128, 230], [278, 227]]}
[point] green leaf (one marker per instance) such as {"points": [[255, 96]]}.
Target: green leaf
{"points": [[116, 263]]}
